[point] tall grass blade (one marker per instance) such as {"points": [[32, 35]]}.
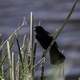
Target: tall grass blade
{"points": [[9, 59], [66, 20], [20, 55], [13, 66]]}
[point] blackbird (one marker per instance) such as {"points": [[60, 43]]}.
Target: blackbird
{"points": [[44, 38]]}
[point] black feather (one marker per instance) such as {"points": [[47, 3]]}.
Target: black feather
{"points": [[45, 39]]}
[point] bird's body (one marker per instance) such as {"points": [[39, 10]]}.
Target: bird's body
{"points": [[45, 39]]}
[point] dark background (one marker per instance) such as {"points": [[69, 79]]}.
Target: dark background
{"points": [[51, 14]]}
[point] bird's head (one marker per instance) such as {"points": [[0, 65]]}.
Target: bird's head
{"points": [[40, 30]]}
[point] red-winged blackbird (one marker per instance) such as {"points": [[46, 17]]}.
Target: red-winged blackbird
{"points": [[44, 38]]}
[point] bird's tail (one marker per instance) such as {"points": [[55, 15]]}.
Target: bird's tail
{"points": [[56, 57]]}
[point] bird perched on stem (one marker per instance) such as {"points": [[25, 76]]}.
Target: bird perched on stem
{"points": [[44, 38]]}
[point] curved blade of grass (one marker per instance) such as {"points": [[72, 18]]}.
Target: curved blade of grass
{"points": [[9, 59], [2, 62], [24, 47], [13, 66], [20, 55], [13, 34], [66, 20], [39, 62], [24, 44]]}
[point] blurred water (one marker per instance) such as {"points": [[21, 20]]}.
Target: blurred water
{"points": [[51, 14]]}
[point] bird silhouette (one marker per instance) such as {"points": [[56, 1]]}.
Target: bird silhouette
{"points": [[44, 38]]}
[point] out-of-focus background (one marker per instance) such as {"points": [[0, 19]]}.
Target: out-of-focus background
{"points": [[51, 14]]}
